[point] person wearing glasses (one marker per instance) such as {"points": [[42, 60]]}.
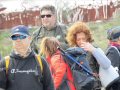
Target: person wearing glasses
{"points": [[49, 28], [23, 72]]}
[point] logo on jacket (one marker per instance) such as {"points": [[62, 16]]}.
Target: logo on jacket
{"points": [[22, 71]]}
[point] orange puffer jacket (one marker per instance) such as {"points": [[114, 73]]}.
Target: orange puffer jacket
{"points": [[59, 68]]}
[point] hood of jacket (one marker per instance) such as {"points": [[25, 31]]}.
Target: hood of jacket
{"points": [[18, 57]]}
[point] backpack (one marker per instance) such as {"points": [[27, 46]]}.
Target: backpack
{"points": [[38, 59], [116, 49], [114, 77], [82, 74]]}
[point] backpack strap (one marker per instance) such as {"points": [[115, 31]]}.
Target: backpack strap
{"points": [[40, 62], [38, 32], [34, 40], [7, 62], [114, 48]]}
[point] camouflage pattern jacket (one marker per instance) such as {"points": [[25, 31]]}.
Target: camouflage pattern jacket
{"points": [[59, 31]]}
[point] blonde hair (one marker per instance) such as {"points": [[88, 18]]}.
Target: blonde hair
{"points": [[76, 28], [49, 45]]}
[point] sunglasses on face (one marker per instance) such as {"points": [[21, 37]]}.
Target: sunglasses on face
{"points": [[48, 16], [15, 37]]}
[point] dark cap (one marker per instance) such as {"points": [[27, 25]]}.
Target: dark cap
{"points": [[21, 30], [113, 33]]}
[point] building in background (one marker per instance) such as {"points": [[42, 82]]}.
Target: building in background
{"points": [[27, 12]]}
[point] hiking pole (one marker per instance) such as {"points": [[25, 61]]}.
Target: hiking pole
{"points": [[74, 60]]}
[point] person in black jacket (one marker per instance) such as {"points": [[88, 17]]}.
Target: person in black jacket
{"points": [[23, 72], [113, 52]]}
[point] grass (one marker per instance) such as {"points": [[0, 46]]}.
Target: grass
{"points": [[5, 43], [98, 30]]}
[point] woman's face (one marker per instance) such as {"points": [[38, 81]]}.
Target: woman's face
{"points": [[80, 38]]}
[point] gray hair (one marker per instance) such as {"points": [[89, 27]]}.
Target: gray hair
{"points": [[50, 8]]}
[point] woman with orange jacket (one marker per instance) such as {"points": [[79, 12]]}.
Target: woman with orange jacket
{"points": [[61, 72]]}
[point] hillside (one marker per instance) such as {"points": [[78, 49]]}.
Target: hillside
{"points": [[98, 30]]}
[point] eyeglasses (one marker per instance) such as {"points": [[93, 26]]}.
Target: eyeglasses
{"points": [[48, 16], [15, 37]]}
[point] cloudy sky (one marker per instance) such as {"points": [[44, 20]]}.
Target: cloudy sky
{"points": [[17, 5]]}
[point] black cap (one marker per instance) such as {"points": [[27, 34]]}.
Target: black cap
{"points": [[113, 33]]}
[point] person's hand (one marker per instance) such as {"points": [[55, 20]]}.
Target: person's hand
{"points": [[87, 46]]}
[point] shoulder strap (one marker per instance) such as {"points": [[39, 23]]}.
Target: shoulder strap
{"points": [[40, 62], [7, 62], [114, 48], [38, 32], [36, 35]]}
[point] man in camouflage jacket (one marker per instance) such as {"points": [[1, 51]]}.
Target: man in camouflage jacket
{"points": [[49, 28]]}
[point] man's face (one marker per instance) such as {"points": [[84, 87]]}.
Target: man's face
{"points": [[48, 19], [21, 43]]}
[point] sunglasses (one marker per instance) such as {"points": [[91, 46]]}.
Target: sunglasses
{"points": [[48, 16], [14, 37]]}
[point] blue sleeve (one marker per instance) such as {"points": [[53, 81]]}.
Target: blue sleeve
{"points": [[101, 58]]}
